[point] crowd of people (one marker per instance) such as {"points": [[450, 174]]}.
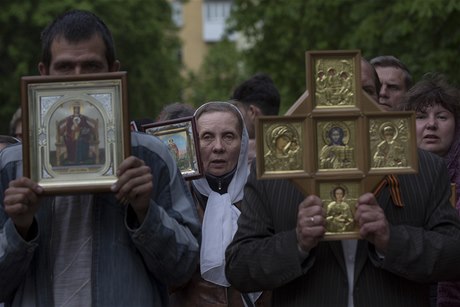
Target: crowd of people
{"points": [[228, 238]]}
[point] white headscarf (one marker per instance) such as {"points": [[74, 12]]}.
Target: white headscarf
{"points": [[220, 216]]}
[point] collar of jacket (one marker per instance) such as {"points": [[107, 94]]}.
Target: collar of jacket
{"points": [[220, 184]]}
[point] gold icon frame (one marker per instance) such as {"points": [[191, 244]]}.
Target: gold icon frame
{"points": [[341, 103], [183, 132], [76, 131]]}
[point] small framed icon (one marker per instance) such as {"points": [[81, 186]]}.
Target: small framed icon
{"points": [[77, 131], [281, 143], [180, 135]]}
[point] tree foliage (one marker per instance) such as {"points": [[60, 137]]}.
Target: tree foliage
{"points": [[145, 40], [221, 70], [422, 33]]}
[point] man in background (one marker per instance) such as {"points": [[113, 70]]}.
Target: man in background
{"points": [[254, 97], [395, 78]]}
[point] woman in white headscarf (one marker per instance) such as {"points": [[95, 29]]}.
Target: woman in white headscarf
{"points": [[224, 153]]}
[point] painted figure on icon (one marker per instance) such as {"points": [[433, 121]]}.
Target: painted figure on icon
{"points": [[336, 154], [339, 215]]}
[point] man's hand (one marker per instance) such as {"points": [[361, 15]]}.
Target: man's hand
{"points": [[134, 185], [372, 222], [21, 203], [310, 223]]}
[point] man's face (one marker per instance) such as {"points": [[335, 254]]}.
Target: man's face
{"points": [[248, 119], [393, 86], [84, 57], [367, 80]]}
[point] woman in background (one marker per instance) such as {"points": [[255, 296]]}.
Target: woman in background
{"points": [[437, 106]]}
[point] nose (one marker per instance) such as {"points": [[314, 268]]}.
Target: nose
{"points": [[383, 91], [431, 123], [218, 145]]}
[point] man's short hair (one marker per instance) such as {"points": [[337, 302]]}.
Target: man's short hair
{"points": [[76, 26], [260, 91], [391, 61], [175, 110]]}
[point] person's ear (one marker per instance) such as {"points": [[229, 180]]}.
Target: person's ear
{"points": [[42, 69], [254, 111], [115, 66]]}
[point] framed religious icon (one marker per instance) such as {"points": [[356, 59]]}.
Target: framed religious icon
{"points": [[336, 144], [180, 135], [350, 144], [391, 143], [334, 80], [339, 200], [77, 131], [283, 148]]}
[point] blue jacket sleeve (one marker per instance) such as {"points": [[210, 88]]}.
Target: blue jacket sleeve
{"points": [[168, 237]]}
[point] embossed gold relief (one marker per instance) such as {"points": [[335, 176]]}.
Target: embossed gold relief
{"points": [[336, 144], [335, 85], [339, 201], [283, 150], [389, 143], [340, 143]]}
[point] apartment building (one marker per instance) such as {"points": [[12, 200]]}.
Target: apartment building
{"points": [[201, 23]]}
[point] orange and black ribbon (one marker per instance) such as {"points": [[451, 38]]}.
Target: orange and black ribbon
{"points": [[393, 184]]}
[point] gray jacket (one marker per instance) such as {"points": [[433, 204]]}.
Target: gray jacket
{"points": [[132, 264]]}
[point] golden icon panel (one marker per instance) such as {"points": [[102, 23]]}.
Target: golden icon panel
{"points": [[336, 141]]}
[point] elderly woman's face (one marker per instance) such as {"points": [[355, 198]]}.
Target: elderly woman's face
{"points": [[220, 142], [435, 129]]}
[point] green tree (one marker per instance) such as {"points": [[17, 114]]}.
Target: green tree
{"points": [[422, 33], [145, 39], [221, 71]]}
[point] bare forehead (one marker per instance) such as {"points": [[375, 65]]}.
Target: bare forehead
{"points": [[218, 116], [390, 74], [218, 120], [95, 37], [92, 46]]}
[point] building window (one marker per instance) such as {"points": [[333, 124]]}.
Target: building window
{"points": [[217, 10], [215, 14], [176, 8]]}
